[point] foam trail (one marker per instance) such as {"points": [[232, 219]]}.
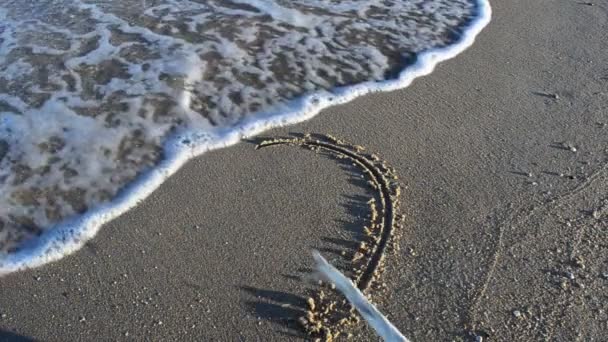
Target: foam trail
{"points": [[383, 327], [156, 100]]}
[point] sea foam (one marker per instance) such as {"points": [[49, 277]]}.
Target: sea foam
{"points": [[101, 101]]}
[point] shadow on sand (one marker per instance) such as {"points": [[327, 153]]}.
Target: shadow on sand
{"points": [[8, 336]]}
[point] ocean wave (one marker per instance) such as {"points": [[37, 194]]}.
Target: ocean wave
{"points": [[101, 101]]}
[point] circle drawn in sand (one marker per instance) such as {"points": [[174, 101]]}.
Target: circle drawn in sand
{"points": [[326, 316]]}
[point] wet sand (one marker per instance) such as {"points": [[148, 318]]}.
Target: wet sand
{"points": [[502, 153]]}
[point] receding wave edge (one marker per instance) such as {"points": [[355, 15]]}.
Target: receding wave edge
{"points": [[69, 236]]}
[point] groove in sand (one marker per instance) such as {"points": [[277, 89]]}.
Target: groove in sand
{"points": [[323, 319]]}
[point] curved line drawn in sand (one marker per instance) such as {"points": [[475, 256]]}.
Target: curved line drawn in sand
{"points": [[326, 318]]}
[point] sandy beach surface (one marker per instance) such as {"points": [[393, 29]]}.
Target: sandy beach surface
{"points": [[503, 155]]}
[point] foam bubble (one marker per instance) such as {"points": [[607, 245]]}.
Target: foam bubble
{"points": [[101, 101]]}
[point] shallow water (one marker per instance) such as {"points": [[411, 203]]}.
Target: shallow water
{"points": [[91, 91]]}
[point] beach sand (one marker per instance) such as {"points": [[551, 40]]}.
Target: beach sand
{"points": [[505, 198]]}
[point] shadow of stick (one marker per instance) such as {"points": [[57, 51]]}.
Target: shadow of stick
{"points": [[280, 308], [8, 336]]}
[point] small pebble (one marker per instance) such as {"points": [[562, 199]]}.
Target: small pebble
{"points": [[578, 261], [311, 303]]}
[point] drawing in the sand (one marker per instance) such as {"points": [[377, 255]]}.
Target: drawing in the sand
{"points": [[375, 318], [327, 316]]}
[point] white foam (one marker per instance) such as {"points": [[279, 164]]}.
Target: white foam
{"points": [[198, 135]]}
